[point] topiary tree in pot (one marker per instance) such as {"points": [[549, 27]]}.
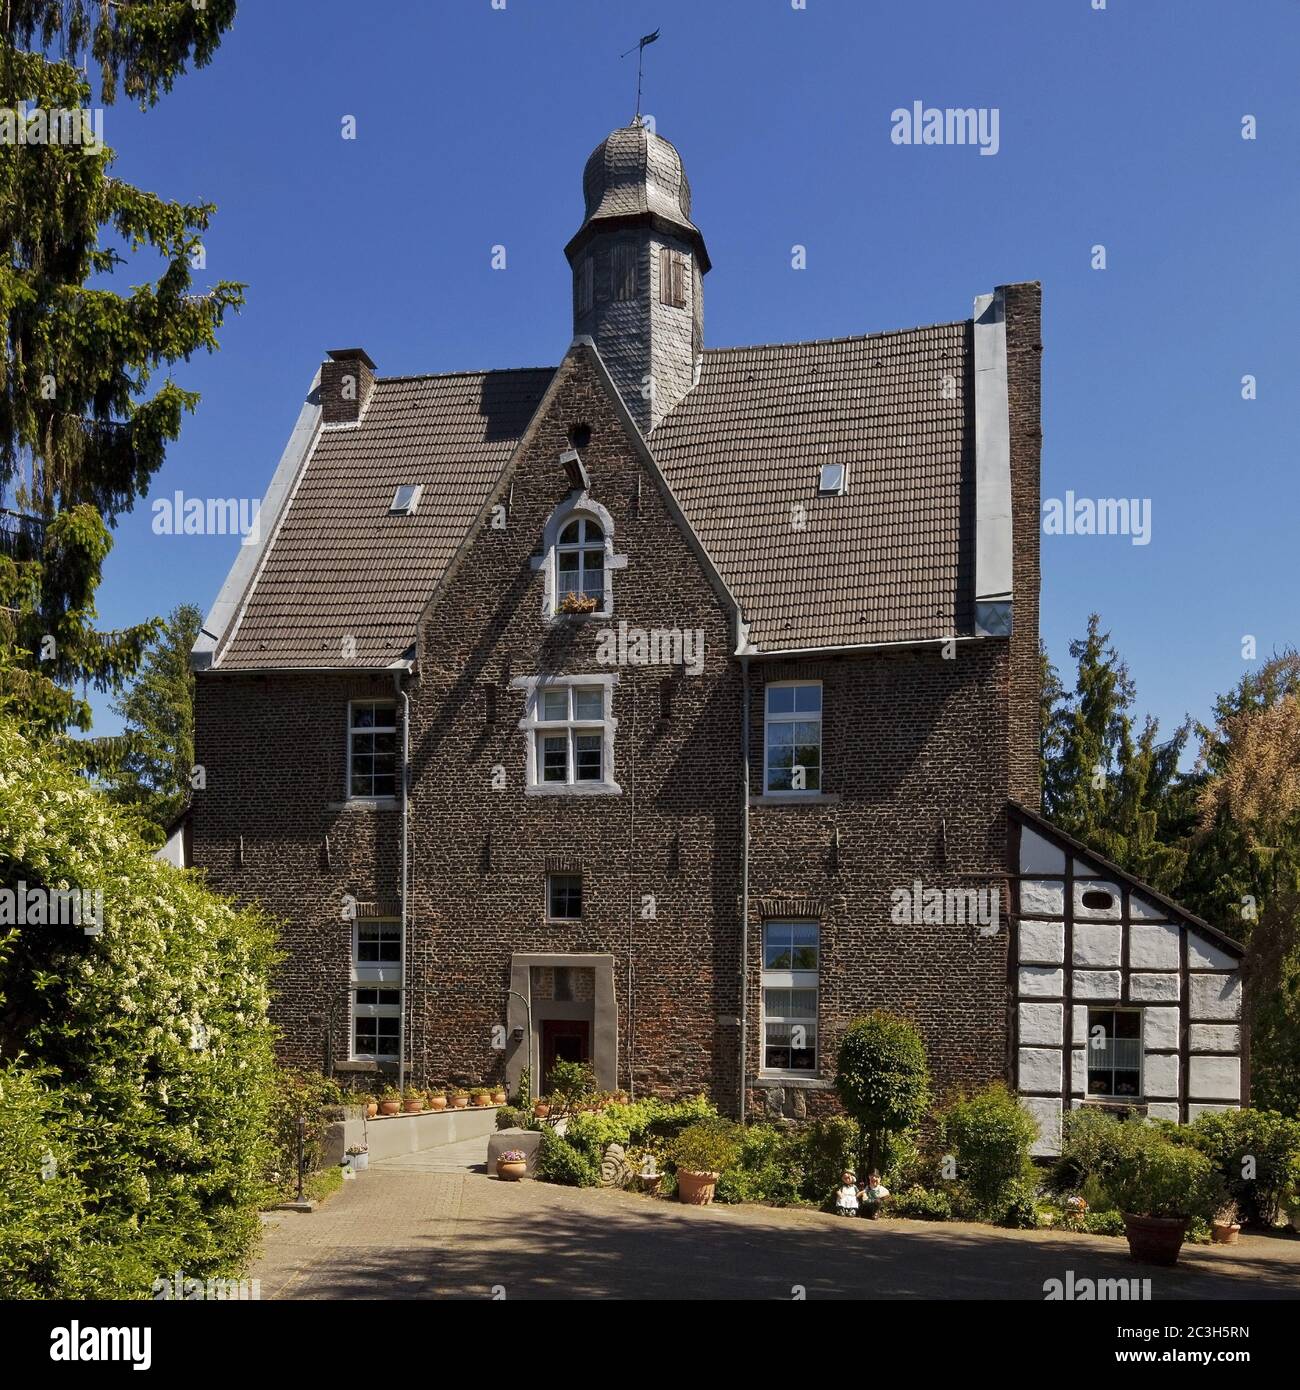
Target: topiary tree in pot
{"points": [[883, 1081], [1159, 1186]]}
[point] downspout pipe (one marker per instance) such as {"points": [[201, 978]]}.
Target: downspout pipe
{"points": [[406, 780], [744, 877]]}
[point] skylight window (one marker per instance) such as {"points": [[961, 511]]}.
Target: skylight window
{"points": [[834, 479], [406, 499]]}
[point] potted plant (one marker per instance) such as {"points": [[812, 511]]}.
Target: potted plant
{"points": [[702, 1153], [371, 1104], [541, 1107], [459, 1098], [512, 1165], [390, 1101], [359, 1157], [649, 1174], [482, 1096], [437, 1100], [577, 603], [1159, 1186], [1226, 1226], [622, 1098], [498, 1095], [412, 1101]]}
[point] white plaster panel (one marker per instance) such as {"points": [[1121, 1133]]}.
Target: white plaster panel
{"points": [[1158, 989], [1096, 944], [1153, 946], [1082, 870], [1205, 955], [1194, 1110], [1215, 996], [1096, 984], [1040, 980], [1047, 1115], [1159, 1029], [1042, 898], [1041, 1024], [1142, 909], [1040, 1069], [1079, 1022], [1160, 1076], [1042, 941], [1039, 856], [1214, 1037], [1213, 1078], [1163, 1110], [1113, 913], [1079, 1071]]}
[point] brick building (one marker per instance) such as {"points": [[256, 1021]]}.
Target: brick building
{"points": [[637, 709]]}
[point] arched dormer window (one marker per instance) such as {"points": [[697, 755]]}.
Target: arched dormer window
{"points": [[577, 560], [580, 563]]}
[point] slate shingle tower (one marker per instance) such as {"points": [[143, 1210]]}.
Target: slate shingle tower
{"points": [[638, 266]]}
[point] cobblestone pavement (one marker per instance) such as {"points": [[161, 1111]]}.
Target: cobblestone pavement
{"points": [[421, 1228]]}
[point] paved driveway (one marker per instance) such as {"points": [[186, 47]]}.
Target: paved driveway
{"points": [[423, 1228]]}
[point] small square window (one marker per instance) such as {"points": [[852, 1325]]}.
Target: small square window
{"points": [[834, 479], [406, 499], [564, 896]]}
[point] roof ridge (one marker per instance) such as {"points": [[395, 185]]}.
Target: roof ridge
{"points": [[469, 371], [846, 338]]}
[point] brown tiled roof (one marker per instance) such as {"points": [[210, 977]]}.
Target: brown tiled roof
{"points": [[891, 560], [888, 562], [341, 565]]}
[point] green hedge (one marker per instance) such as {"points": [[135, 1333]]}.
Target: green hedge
{"points": [[153, 1048]]}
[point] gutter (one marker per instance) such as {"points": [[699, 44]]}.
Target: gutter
{"points": [[905, 645], [401, 693], [744, 876]]}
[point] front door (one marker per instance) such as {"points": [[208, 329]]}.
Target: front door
{"points": [[563, 1040]]}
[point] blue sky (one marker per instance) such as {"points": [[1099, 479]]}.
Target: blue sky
{"points": [[1120, 127]]}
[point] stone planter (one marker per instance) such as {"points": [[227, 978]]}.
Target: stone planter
{"points": [[1225, 1232], [696, 1189], [1155, 1240], [359, 1162]]}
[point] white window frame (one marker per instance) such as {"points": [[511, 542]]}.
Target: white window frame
{"points": [[360, 1011], [789, 979], [582, 547], [391, 705], [578, 506], [769, 719], [1139, 1095], [534, 727]]}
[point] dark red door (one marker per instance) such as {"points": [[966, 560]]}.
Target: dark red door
{"points": [[563, 1040]]}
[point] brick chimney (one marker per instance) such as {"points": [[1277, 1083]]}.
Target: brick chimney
{"points": [[347, 377]]}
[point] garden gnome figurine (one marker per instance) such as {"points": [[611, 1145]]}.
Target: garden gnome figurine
{"points": [[873, 1195], [846, 1195]]}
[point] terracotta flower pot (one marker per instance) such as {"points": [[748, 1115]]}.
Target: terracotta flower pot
{"points": [[483, 1098], [437, 1102], [412, 1107], [540, 1109], [511, 1172], [1225, 1232], [372, 1109], [1155, 1240], [695, 1189], [651, 1184], [459, 1102], [499, 1096], [389, 1107]]}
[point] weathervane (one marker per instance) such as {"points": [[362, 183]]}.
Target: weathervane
{"points": [[640, 48]]}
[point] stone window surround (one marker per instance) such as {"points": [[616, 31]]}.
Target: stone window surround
{"points": [[604, 1026], [530, 726], [578, 505]]}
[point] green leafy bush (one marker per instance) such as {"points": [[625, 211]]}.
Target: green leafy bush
{"points": [[882, 1079], [991, 1134], [509, 1117], [1091, 1146], [767, 1170], [560, 1162], [1103, 1223], [1242, 1142], [153, 1043], [571, 1081], [314, 1098], [918, 1204], [1155, 1177], [709, 1146]]}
